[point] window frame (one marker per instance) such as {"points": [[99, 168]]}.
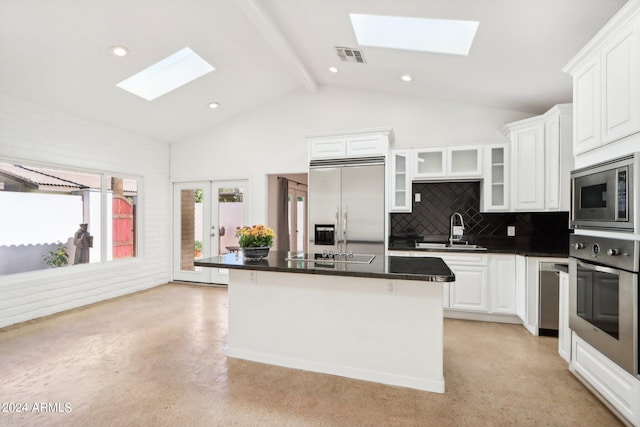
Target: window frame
{"points": [[104, 175]]}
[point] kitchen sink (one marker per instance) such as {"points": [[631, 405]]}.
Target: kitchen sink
{"points": [[320, 258], [450, 247]]}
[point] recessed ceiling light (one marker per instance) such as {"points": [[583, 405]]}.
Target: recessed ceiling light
{"points": [[169, 74], [119, 51], [333, 69], [406, 78], [214, 105], [419, 34]]}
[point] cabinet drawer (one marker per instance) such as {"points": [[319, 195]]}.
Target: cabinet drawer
{"points": [[617, 386], [464, 259]]}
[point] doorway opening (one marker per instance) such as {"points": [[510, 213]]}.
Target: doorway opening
{"points": [[296, 211], [206, 215]]}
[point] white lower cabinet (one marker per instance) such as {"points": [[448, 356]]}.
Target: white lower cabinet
{"points": [[500, 288], [521, 287], [470, 290], [485, 284], [615, 385], [564, 333], [502, 276]]}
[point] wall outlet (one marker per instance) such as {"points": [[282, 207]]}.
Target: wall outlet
{"points": [[253, 277], [511, 230], [391, 287], [417, 197]]}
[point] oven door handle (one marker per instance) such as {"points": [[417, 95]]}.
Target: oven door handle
{"points": [[599, 268]]}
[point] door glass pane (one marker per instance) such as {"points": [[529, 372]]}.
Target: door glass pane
{"points": [[300, 225], [290, 217], [598, 300], [593, 196], [191, 233], [230, 218], [430, 162], [296, 217]]}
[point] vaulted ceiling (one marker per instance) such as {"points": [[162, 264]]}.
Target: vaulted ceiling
{"points": [[57, 54]]}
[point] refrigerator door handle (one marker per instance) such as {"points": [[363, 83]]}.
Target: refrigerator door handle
{"points": [[344, 230], [337, 230]]}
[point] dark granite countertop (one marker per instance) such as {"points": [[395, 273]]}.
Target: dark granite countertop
{"points": [[429, 269], [535, 247], [525, 252]]}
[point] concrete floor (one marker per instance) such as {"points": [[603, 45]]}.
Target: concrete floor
{"points": [[156, 358]]}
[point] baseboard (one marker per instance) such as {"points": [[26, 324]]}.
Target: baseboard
{"points": [[435, 386], [482, 317]]}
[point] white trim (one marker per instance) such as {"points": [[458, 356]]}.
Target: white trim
{"points": [[381, 130]]}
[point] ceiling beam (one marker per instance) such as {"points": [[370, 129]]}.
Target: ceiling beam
{"points": [[265, 24]]}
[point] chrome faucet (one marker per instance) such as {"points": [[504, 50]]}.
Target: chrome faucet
{"points": [[455, 231]]}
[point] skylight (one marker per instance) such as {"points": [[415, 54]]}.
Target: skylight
{"points": [[418, 34], [166, 75]]}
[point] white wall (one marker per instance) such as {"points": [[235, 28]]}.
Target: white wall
{"points": [[37, 135], [270, 139]]}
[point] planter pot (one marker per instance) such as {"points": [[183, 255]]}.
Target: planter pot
{"points": [[255, 252]]}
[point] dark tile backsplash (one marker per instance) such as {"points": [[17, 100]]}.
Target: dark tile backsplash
{"points": [[429, 221]]}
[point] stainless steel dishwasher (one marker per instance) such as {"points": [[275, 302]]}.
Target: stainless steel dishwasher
{"points": [[548, 300]]}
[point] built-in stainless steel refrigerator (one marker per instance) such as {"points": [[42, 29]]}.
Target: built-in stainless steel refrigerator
{"points": [[346, 206]]}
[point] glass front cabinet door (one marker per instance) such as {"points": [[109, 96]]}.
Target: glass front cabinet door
{"points": [[496, 192], [400, 181]]}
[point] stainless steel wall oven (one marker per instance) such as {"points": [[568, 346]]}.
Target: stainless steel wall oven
{"points": [[603, 300]]}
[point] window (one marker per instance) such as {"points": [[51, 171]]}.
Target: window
{"points": [[55, 217]]}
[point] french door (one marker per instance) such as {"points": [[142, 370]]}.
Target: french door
{"points": [[206, 215]]}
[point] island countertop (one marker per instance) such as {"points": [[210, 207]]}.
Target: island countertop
{"points": [[429, 269]]}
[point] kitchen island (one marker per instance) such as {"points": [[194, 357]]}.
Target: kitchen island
{"points": [[380, 321]]}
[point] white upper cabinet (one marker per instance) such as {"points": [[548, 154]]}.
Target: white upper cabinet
{"points": [[354, 144], [606, 83], [447, 162], [495, 190], [528, 172], [464, 162], [430, 163], [552, 160], [328, 147], [541, 160], [400, 181], [367, 145], [620, 112], [586, 101]]}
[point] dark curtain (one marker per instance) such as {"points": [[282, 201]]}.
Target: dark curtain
{"points": [[282, 233]]}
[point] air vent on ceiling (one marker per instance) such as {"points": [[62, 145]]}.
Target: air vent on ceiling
{"points": [[348, 54]]}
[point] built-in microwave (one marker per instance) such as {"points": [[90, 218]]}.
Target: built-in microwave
{"points": [[602, 195]]}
